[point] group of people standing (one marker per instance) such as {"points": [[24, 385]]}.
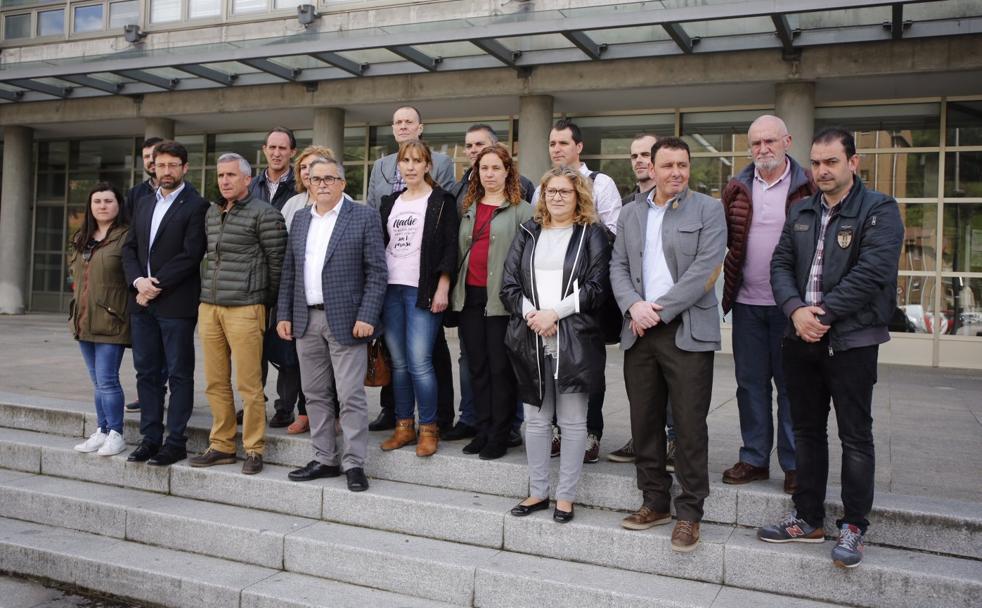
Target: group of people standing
{"points": [[538, 279]]}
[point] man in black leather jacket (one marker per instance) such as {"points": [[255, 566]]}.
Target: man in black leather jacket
{"points": [[834, 273]]}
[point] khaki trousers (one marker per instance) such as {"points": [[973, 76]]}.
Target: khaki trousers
{"points": [[234, 334]]}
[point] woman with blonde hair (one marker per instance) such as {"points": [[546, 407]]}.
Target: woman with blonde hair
{"points": [[554, 286], [493, 210], [420, 225]]}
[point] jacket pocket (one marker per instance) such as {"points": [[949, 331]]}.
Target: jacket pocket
{"points": [[704, 321], [106, 320], [688, 239]]}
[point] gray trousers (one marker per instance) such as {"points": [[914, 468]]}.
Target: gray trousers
{"points": [[570, 409], [330, 371]]}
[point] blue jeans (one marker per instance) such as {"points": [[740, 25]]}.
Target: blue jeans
{"points": [[103, 361], [410, 333], [757, 334]]}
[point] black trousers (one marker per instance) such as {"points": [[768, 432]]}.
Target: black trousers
{"points": [[443, 367], [814, 377], [656, 371], [492, 377]]}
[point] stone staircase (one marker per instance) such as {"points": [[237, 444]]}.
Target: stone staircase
{"points": [[431, 532]]}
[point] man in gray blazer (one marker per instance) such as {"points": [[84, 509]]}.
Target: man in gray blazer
{"points": [[330, 300], [407, 124], [666, 258]]}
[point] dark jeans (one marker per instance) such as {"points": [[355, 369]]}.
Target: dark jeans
{"points": [[492, 378], [443, 366], [757, 334], [656, 371], [160, 341], [814, 377]]}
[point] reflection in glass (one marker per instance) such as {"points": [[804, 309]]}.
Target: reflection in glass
{"points": [[248, 6], [963, 174], [886, 126], [962, 237], [52, 155], [204, 8], [51, 186], [88, 18], [717, 131], [51, 23], [248, 145], [123, 13], [47, 272], [48, 233], [613, 134], [162, 11], [619, 170], [919, 251], [915, 307], [913, 175], [964, 306], [964, 123], [17, 26], [102, 154], [709, 175]]}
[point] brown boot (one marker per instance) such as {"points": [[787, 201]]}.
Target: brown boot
{"points": [[405, 434], [429, 439]]}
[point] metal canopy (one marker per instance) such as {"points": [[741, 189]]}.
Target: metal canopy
{"points": [[577, 41]]}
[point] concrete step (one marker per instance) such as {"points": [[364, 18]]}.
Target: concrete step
{"points": [[944, 526], [238, 532]]}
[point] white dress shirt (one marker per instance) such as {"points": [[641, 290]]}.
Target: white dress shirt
{"points": [[318, 239], [654, 268], [160, 209], [606, 197]]}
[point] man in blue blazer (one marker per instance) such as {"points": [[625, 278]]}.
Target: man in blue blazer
{"points": [[330, 301]]}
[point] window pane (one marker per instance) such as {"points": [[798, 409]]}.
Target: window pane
{"points": [[913, 175], [354, 177], [16, 26], [102, 154], [886, 126], [47, 272], [718, 131], [88, 18], [51, 186], [964, 123], [248, 6], [52, 155], [124, 13], [204, 8], [619, 170], [709, 175], [48, 228], [613, 134], [965, 301], [962, 237], [162, 11], [248, 145], [963, 174], [915, 303], [920, 236], [51, 23], [291, 3]]}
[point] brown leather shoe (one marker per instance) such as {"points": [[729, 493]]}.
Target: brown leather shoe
{"points": [[742, 472], [685, 536], [253, 463], [405, 434], [645, 518], [790, 482], [210, 458], [429, 440]]}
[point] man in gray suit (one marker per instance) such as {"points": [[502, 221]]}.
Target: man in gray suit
{"points": [[666, 258], [407, 124], [330, 300]]}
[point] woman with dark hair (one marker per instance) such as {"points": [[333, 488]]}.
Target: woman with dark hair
{"points": [[420, 225], [492, 211], [97, 312], [555, 285]]}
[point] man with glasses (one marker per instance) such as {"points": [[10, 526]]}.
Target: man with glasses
{"points": [[161, 259], [407, 124], [330, 301], [756, 203]]}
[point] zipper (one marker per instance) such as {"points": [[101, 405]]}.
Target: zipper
{"points": [[538, 364], [218, 253], [572, 281]]}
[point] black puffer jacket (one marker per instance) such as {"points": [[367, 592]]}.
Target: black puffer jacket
{"points": [[245, 254], [438, 253], [580, 344]]}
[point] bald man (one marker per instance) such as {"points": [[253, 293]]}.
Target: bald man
{"points": [[756, 204]]}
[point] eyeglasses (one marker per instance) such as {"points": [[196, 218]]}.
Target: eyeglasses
{"points": [[327, 180], [555, 193]]}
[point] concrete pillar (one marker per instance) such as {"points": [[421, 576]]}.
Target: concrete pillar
{"points": [[534, 124], [329, 129], [15, 218], [794, 102], [158, 127]]}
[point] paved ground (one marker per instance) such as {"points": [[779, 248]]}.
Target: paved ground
{"points": [[17, 592], [927, 422]]}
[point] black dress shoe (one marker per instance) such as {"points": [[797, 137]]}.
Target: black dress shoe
{"points": [[281, 419], [476, 445], [386, 421], [167, 456], [314, 470], [521, 510], [493, 451], [514, 439], [461, 430], [143, 453], [562, 517], [357, 482]]}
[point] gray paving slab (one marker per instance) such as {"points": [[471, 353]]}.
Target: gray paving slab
{"points": [[410, 565], [270, 490], [887, 577], [19, 593], [288, 590]]}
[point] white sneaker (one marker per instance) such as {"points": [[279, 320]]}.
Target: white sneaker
{"points": [[114, 444], [93, 443]]}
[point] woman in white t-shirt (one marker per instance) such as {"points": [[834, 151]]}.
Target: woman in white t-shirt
{"points": [[555, 285], [420, 226]]}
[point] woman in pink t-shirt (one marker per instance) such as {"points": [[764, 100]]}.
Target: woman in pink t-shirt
{"points": [[420, 226]]}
